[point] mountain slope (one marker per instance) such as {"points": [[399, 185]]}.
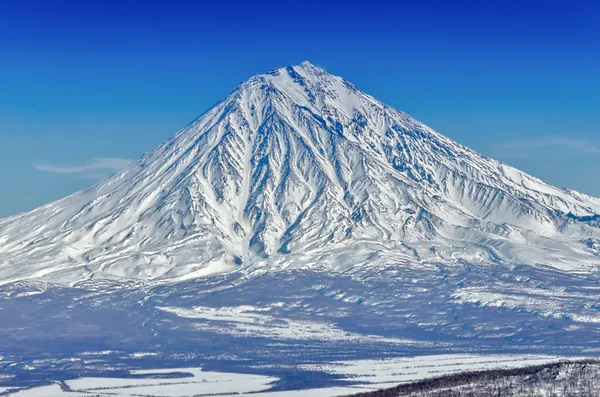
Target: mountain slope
{"points": [[298, 168]]}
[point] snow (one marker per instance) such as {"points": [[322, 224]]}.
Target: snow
{"points": [[391, 372], [290, 167], [252, 321], [555, 303], [143, 354], [322, 392], [361, 375], [43, 391], [196, 382], [364, 375]]}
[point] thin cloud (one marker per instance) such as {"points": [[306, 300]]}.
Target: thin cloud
{"points": [[96, 164], [576, 146]]}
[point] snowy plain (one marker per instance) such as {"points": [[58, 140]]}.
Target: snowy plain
{"points": [[360, 376]]}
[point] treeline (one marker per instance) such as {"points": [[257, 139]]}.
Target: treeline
{"points": [[561, 379]]}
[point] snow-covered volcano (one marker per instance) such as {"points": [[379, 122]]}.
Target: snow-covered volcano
{"points": [[297, 168]]}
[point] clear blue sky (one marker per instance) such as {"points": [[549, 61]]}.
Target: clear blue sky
{"points": [[86, 83]]}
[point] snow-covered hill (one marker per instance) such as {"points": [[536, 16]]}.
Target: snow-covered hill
{"points": [[299, 169]]}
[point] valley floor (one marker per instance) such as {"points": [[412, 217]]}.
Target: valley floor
{"points": [[289, 333], [435, 376]]}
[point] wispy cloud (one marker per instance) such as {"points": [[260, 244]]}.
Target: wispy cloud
{"points": [[94, 165], [574, 146]]}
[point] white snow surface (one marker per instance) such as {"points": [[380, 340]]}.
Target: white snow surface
{"points": [[256, 322], [297, 168], [387, 373], [361, 375]]}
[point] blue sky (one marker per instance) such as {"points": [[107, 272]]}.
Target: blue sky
{"points": [[87, 85]]}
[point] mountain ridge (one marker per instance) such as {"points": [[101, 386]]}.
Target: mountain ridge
{"points": [[298, 168]]}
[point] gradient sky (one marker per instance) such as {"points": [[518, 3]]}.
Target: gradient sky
{"points": [[87, 85]]}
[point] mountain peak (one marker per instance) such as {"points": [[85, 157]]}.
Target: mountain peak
{"points": [[297, 168], [311, 69], [311, 87], [304, 71], [307, 64]]}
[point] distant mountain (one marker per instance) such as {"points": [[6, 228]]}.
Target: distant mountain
{"points": [[298, 169]]}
